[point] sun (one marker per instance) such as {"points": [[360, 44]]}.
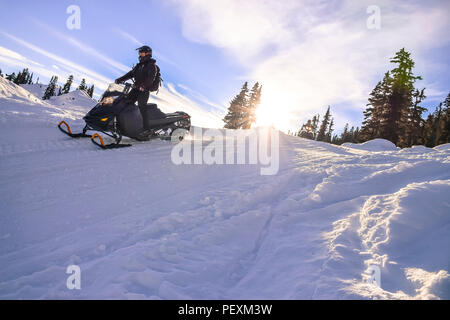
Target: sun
{"points": [[273, 111]]}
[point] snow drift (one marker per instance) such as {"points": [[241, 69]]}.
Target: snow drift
{"points": [[139, 226]]}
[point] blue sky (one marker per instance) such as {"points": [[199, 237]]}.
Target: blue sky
{"points": [[307, 54]]}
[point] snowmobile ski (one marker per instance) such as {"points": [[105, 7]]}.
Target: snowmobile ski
{"points": [[69, 132], [104, 146]]}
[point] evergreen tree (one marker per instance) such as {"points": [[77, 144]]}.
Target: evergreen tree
{"points": [[322, 134], [253, 102], [400, 99], [50, 91], [30, 78], [67, 85], [436, 129], [393, 110], [330, 131], [445, 126], [18, 78], [431, 132], [235, 115], [428, 135], [82, 85], [376, 110], [22, 77], [413, 134], [356, 136], [1, 74], [11, 76], [345, 135], [90, 91], [315, 125]]}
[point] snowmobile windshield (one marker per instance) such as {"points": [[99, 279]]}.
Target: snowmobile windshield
{"points": [[113, 92]]}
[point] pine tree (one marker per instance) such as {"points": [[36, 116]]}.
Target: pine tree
{"points": [[345, 136], [50, 91], [1, 74], [431, 130], [11, 76], [90, 91], [22, 77], [446, 124], [82, 85], [67, 85], [330, 131], [443, 125], [393, 110], [413, 134], [30, 79], [356, 136], [314, 125], [376, 110], [437, 126], [400, 98], [18, 78], [235, 115], [322, 134], [253, 102]]}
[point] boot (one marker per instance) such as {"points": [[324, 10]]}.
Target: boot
{"points": [[147, 131], [145, 112]]}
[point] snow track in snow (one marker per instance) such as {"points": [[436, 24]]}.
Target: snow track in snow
{"points": [[141, 227]]}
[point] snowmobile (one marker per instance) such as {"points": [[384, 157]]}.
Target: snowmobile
{"points": [[116, 117]]}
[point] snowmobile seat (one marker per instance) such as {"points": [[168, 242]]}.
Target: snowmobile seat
{"points": [[153, 112]]}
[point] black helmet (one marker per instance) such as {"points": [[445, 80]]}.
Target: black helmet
{"points": [[145, 49]]}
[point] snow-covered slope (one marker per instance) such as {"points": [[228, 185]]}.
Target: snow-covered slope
{"points": [[139, 226], [38, 89]]}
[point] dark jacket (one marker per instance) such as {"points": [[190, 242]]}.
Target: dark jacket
{"points": [[144, 73]]}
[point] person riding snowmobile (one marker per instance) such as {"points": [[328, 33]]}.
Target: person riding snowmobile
{"points": [[145, 73]]}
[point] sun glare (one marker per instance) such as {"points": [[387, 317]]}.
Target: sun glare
{"points": [[273, 111]]}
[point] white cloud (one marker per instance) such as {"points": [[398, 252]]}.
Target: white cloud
{"points": [[170, 100], [117, 67], [7, 53], [133, 39], [309, 54], [128, 36], [78, 71], [200, 97]]}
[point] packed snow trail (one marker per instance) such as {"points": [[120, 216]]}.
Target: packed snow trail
{"points": [[141, 227]]}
